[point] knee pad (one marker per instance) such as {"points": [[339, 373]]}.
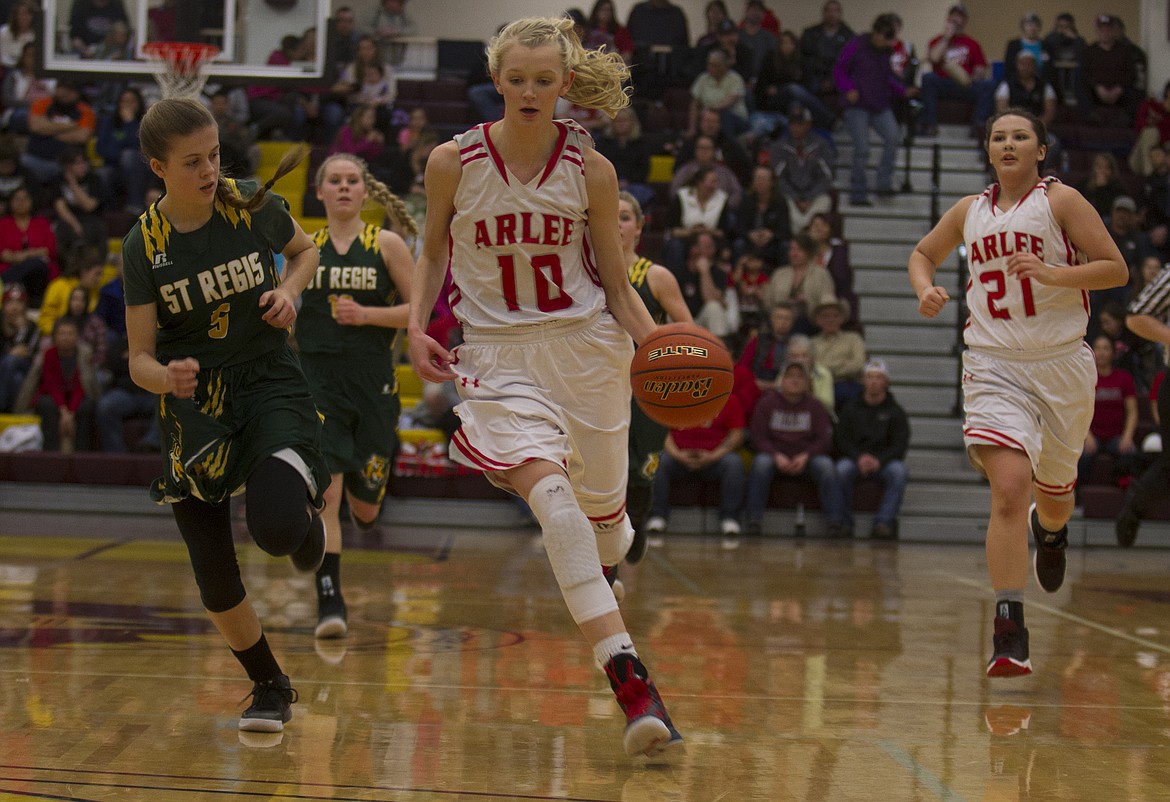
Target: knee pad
{"points": [[613, 539], [277, 507], [222, 589], [571, 546]]}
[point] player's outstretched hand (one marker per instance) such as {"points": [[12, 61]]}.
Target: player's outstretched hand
{"points": [[431, 361], [280, 306], [183, 376], [932, 300]]}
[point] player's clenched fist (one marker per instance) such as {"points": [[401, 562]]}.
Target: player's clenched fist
{"points": [[182, 377], [932, 300]]}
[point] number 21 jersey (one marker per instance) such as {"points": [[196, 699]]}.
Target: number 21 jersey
{"points": [[1019, 314], [521, 253]]}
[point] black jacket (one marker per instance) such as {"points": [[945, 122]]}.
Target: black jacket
{"points": [[882, 430]]}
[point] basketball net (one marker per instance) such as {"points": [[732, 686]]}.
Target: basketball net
{"points": [[181, 67]]}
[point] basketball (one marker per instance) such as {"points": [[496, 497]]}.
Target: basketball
{"points": [[681, 375]]}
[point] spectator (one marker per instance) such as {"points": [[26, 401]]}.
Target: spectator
{"points": [[959, 72], [12, 175], [720, 89], [21, 89], [28, 249], [714, 14], [1066, 49], [802, 282], [1115, 416], [416, 140], [1155, 189], [276, 112], [748, 280], [368, 80], [759, 41], [728, 152], [1133, 243], [239, 155], [766, 352], [116, 46], [739, 56], [710, 452], [56, 123], [703, 280], [802, 161], [1110, 71], [80, 223], [91, 330], [820, 45], [832, 253], [123, 400], [605, 30], [19, 343], [872, 435], [661, 43], [791, 432], [17, 32], [111, 305], [1027, 89], [779, 87], [61, 387], [866, 82], [124, 170], [801, 349], [83, 270], [90, 21], [1028, 42], [1102, 186], [842, 352], [701, 204], [1153, 125], [762, 226], [361, 136], [391, 23], [622, 143], [343, 44]]}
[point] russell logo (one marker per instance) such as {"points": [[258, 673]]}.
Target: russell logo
{"points": [[695, 388], [677, 350]]}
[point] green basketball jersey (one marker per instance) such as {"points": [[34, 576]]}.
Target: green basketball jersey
{"points": [[638, 272], [207, 283], [359, 274]]}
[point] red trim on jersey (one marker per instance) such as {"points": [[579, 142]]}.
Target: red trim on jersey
{"points": [[587, 260], [474, 158], [454, 294], [613, 516], [1055, 490], [495, 154], [1041, 185], [1085, 301], [993, 437], [558, 149], [1070, 251], [484, 463]]}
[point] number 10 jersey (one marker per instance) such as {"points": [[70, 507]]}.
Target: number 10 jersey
{"points": [[1019, 314], [521, 253]]}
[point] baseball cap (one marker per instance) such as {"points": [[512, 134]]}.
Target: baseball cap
{"points": [[1105, 19], [958, 8], [876, 365], [1031, 16], [1124, 202], [799, 111], [725, 26], [832, 303], [793, 364]]}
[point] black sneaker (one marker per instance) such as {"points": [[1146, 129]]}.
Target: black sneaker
{"points": [[309, 555], [637, 546], [271, 706], [1127, 525], [649, 730], [1048, 562], [331, 617], [1011, 650]]}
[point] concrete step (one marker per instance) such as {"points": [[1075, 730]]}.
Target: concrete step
{"points": [[902, 306], [914, 205], [952, 157], [894, 280], [921, 370], [944, 466], [873, 227], [936, 434], [866, 252], [933, 400], [910, 337]]}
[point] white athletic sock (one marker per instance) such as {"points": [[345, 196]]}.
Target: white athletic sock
{"points": [[608, 648]]}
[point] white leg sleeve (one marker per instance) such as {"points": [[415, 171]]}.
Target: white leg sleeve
{"points": [[571, 546]]}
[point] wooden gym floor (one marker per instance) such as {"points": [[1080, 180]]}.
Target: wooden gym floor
{"points": [[795, 670]]}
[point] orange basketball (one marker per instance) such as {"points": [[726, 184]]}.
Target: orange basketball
{"points": [[681, 375]]}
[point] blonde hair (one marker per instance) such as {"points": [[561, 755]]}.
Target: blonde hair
{"points": [[173, 117], [637, 207], [380, 193], [600, 76], [635, 123]]}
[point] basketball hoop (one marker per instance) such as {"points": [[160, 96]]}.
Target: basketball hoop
{"points": [[182, 66]]}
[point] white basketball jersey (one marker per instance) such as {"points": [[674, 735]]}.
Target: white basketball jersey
{"points": [[1007, 312], [521, 253]]}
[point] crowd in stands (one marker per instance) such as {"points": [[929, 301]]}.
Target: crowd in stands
{"points": [[737, 179]]}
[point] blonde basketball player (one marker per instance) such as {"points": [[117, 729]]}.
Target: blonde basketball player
{"points": [[1035, 248], [526, 211]]}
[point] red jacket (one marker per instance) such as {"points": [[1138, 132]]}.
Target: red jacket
{"points": [[40, 235], [67, 394]]}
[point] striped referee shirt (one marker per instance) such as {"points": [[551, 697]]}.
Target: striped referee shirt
{"points": [[1154, 300]]}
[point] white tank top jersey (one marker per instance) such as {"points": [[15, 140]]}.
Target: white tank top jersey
{"points": [[521, 253], [1010, 313]]}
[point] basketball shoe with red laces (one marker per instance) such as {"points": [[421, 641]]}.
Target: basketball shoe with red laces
{"points": [[649, 730], [1011, 650]]}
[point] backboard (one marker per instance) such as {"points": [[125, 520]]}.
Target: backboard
{"points": [[246, 31]]}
